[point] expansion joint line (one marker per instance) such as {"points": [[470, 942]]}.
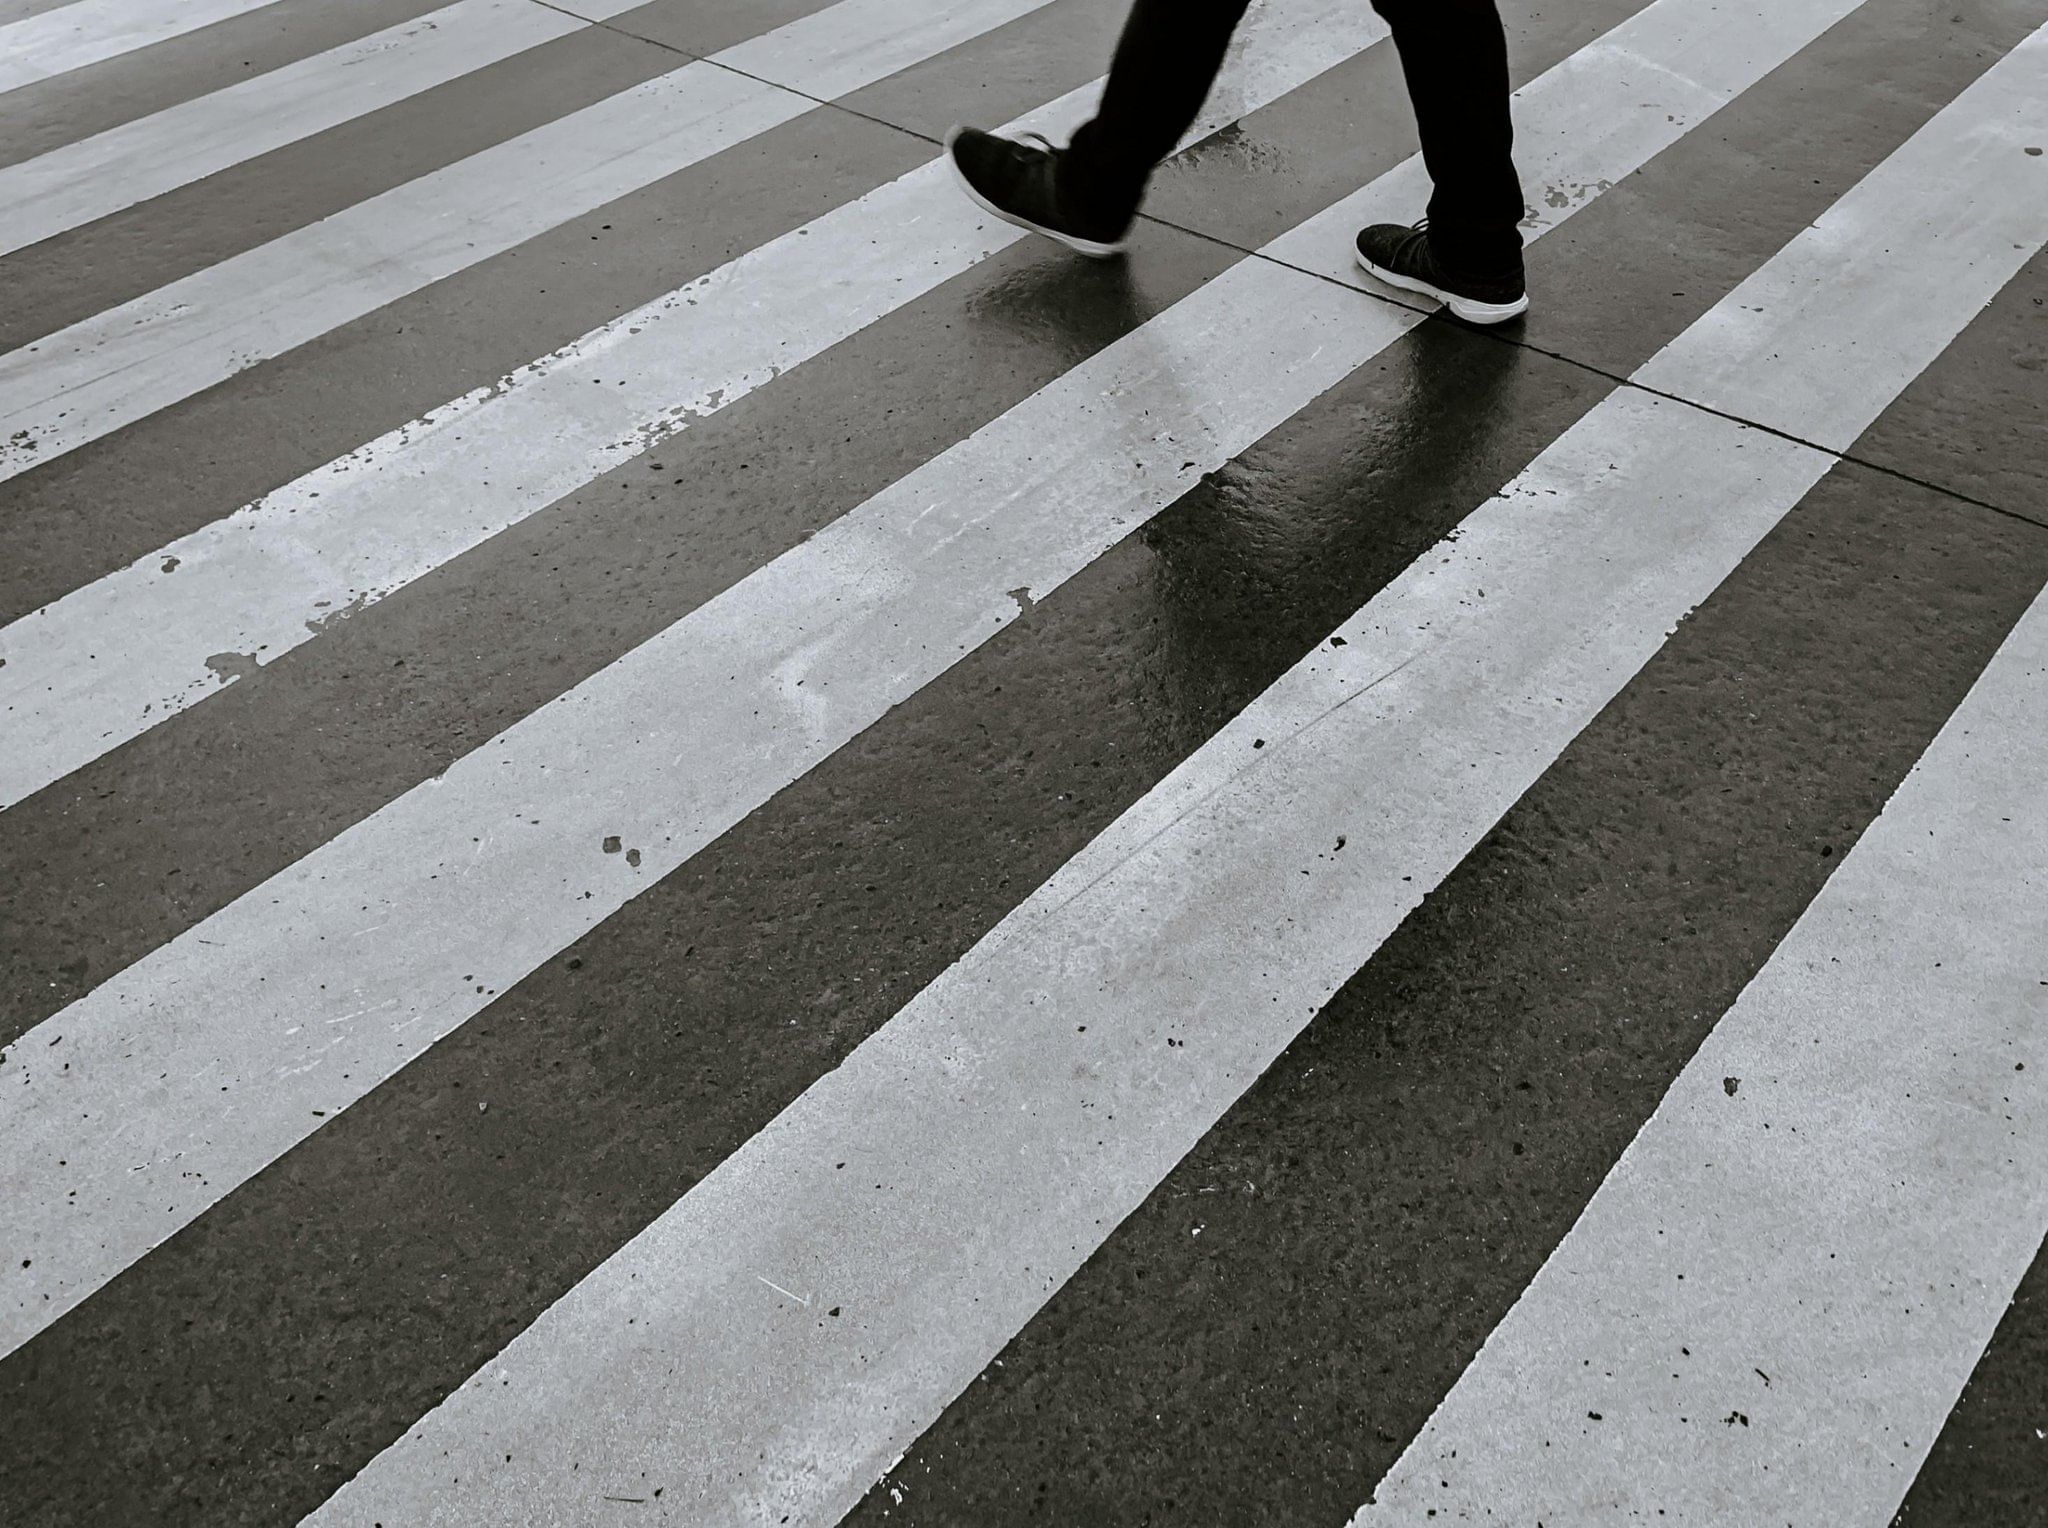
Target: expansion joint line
{"points": [[715, 63]]}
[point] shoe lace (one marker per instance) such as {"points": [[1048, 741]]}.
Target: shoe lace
{"points": [[1417, 240], [1027, 152], [1036, 154]]}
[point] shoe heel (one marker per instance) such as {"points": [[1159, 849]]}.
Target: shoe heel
{"points": [[1486, 312], [1468, 309]]}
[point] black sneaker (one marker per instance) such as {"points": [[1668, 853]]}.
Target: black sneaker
{"points": [[1404, 257], [1018, 180]]}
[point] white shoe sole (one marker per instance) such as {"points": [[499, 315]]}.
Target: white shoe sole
{"points": [[1472, 312], [1088, 247]]}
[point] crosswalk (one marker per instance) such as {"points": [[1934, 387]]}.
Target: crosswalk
{"points": [[1826, 1249], [100, 175], [76, 386], [354, 529], [712, 1061]]}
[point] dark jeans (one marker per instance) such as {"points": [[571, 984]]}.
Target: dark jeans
{"points": [[1453, 53]]}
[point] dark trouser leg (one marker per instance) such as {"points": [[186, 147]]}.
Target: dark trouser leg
{"points": [[1453, 53], [1455, 56], [1165, 63]]}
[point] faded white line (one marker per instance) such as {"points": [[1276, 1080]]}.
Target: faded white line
{"points": [[100, 175], [107, 371], [90, 31], [942, 1182], [136, 647], [1768, 1309]]}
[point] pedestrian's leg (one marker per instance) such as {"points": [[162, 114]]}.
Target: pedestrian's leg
{"points": [[1165, 64], [1469, 257], [1086, 195], [1454, 54]]}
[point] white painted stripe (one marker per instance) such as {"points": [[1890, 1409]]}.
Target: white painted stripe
{"points": [[96, 176], [938, 1186], [118, 366], [1768, 1309], [132, 649], [1817, 300], [471, 880], [89, 31]]}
